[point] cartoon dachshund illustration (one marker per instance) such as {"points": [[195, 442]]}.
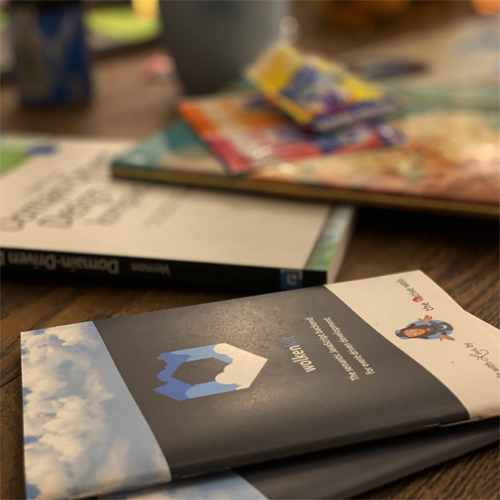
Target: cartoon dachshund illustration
{"points": [[426, 328]]}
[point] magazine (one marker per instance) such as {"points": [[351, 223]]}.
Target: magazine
{"points": [[449, 163]]}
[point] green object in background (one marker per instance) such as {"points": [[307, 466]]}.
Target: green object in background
{"points": [[121, 23], [10, 157], [4, 19]]}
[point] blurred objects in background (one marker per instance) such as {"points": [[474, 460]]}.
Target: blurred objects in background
{"points": [[364, 18], [50, 57], [110, 26], [213, 40], [361, 17], [455, 64], [146, 8], [486, 7], [120, 25]]}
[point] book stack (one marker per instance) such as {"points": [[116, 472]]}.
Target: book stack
{"points": [[308, 128], [438, 168], [318, 390], [314, 393]]}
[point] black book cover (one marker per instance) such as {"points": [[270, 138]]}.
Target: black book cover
{"points": [[341, 473]]}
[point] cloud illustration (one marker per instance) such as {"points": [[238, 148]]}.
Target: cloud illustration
{"points": [[80, 421], [244, 368], [45, 471], [116, 463]]}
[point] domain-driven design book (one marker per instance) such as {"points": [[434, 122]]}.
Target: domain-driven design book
{"points": [[62, 212]]}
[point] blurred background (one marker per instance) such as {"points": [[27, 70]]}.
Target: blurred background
{"points": [[446, 43], [118, 69]]}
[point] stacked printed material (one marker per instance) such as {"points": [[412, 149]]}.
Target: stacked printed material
{"points": [[231, 384]]}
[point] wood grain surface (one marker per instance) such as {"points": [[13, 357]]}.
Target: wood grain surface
{"points": [[461, 255]]}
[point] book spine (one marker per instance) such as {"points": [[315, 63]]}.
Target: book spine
{"points": [[171, 272]]}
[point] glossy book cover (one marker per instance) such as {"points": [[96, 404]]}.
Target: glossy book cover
{"points": [[449, 163], [167, 395]]}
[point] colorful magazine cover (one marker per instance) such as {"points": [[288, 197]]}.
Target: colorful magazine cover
{"points": [[246, 132], [315, 92], [449, 163]]}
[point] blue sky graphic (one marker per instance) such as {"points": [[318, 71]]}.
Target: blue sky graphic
{"points": [[83, 431]]}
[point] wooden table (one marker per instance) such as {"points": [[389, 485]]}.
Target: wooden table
{"points": [[461, 255]]}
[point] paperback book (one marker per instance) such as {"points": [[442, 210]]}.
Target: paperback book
{"points": [[448, 163], [232, 384], [342, 473], [62, 212]]}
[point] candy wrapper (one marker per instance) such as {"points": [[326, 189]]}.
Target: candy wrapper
{"points": [[246, 132], [316, 93]]}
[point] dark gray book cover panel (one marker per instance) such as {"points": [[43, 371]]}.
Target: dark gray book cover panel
{"points": [[239, 382]]}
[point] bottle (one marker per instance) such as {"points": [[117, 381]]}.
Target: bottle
{"points": [[50, 57]]}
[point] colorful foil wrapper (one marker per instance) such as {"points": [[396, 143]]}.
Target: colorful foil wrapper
{"points": [[316, 93], [246, 132]]}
